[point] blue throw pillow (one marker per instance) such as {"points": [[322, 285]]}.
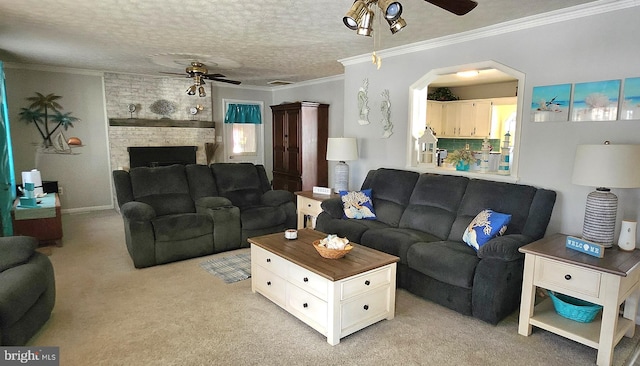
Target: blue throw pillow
{"points": [[484, 227], [357, 205]]}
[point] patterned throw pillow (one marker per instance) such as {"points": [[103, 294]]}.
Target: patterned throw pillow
{"points": [[484, 227], [357, 205]]}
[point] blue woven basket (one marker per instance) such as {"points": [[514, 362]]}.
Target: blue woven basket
{"points": [[574, 309]]}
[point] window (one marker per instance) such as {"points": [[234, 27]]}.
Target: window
{"points": [[243, 130]]}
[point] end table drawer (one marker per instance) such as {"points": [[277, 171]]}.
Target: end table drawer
{"points": [[270, 261], [567, 277], [309, 206], [366, 282]]}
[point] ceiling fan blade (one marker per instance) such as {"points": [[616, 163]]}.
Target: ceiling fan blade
{"points": [[211, 76], [235, 82], [173, 73], [457, 7]]}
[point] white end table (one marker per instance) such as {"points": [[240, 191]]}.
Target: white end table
{"points": [[608, 281]]}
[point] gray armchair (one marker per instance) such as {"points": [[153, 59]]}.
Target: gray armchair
{"points": [[27, 290], [163, 223]]}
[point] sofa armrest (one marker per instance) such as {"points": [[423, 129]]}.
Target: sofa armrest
{"points": [[504, 247], [333, 206], [212, 203], [137, 211], [15, 250], [277, 197]]}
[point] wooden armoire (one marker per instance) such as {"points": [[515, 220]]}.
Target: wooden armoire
{"points": [[300, 132]]}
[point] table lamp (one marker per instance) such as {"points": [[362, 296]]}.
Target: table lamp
{"points": [[604, 166], [341, 149]]}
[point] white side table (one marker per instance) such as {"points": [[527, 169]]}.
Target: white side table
{"points": [[309, 205], [608, 281]]}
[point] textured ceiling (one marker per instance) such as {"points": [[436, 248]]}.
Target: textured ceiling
{"points": [[251, 41]]}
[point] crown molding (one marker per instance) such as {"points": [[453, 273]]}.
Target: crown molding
{"points": [[66, 70], [309, 82], [556, 16]]}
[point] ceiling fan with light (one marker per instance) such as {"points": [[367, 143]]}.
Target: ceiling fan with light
{"points": [[199, 72], [360, 16]]}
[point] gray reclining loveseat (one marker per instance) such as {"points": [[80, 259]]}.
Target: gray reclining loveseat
{"points": [[177, 212]]}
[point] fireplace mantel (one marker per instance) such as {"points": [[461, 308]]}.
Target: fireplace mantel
{"points": [[137, 122]]}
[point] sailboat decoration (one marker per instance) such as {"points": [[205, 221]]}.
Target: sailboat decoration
{"points": [[60, 144]]}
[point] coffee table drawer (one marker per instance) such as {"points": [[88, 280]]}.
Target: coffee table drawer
{"points": [[366, 282], [270, 285], [365, 309], [269, 261], [566, 277], [307, 308], [309, 281]]}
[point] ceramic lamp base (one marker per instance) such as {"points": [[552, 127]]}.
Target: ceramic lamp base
{"points": [[600, 217], [341, 177]]}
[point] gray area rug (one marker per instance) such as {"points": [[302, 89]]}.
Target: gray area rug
{"points": [[231, 268]]}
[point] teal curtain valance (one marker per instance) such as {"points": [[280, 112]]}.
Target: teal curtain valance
{"points": [[243, 113]]}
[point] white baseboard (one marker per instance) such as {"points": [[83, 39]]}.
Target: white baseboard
{"points": [[86, 209]]}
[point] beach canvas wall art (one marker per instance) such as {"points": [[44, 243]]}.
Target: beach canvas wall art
{"points": [[551, 103], [630, 104], [596, 101]]}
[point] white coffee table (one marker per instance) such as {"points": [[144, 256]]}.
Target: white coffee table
{"points": [[336, 297]]}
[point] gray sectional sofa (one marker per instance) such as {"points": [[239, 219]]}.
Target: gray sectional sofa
{"points": [[421, 219], [178, 212]]}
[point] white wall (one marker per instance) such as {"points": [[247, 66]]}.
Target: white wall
{"points": [[593, 48], [85, 176]]}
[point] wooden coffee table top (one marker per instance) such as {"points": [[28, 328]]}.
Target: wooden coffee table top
{"points": [[301, 252]]}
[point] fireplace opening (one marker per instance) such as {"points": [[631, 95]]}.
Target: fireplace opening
{"points": [[152, 156]]}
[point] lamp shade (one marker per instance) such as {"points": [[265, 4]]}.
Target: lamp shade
{"points": [[610, 166], [342, 149]]}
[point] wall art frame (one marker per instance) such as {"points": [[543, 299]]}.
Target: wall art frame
{"points": [[630, 101], [551, 103], [595, 101]]}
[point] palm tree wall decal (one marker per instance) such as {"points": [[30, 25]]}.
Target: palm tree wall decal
{"points": [[39, 112]]}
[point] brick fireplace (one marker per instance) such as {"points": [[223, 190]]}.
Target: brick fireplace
{"points": [[143, 128]]}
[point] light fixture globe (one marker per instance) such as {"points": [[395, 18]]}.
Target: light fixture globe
{"points": [[354, 15], [397, 25], [192, 90], [364, 27], [391, 9]]}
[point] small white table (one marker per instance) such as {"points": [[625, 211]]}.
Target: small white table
{"points": [[308, 204], [608, 281]]}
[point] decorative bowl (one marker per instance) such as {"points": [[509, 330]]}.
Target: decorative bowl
{"points": [[331, 253]]}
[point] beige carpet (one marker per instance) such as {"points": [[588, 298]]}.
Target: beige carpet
{"points": [[109, 313]]}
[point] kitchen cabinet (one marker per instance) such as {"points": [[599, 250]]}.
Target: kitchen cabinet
{"points": [[469, 118], [434, 116], [300, 132]]}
